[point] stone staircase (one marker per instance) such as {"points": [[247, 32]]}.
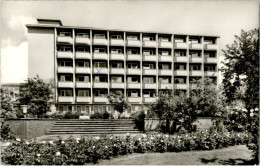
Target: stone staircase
{"points": [[93, 126]]}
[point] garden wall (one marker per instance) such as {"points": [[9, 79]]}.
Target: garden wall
{"points": [[30, 128]]}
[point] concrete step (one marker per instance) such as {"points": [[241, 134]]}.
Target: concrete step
{"points": [[98, 133]]}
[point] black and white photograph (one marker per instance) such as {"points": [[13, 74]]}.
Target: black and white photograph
{"points": [[100, 82]]}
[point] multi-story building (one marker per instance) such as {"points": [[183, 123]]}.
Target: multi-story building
{"points": [[88, 63]]}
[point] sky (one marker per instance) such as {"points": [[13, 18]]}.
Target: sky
{"points": [[222, 18]]}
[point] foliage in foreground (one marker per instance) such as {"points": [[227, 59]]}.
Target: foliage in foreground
{"points": [[90, 150]]}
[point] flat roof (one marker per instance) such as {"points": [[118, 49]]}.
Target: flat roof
{"points": [[49, 20], [116, 30]]}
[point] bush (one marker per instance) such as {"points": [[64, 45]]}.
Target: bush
{"points": [[98, 115], [139, 120], [61, 115], [82, 151], [6, 132]]}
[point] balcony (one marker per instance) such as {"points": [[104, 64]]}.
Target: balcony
{"points": [[100, 70], [65, 69], [100, 85], [193, 86], [211, 60], [117, 71], [83, 70], [134, 85], [63, 84], [133, 57], [165, 86], [165, 72], [100, 99], [196, 73], [149, 99], [65, 99], [134, 71], [149, 57], [181, 58], [211, 73], [196, 46], [165, 44], [117, 42], [181, 72], [97, 41], [196, 59], [134, 99], [83, 85], [149, 71], [64, 39], [181, 45], [181, 86], [83, 99], [134, 43], [211, 47], [65, 54], [101, 56], [117, 56], [83, 55], [117, 85], [149, 43], [83, 40], [165, 58], [149, 85]]}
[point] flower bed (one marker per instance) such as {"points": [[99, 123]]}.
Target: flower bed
{"points": [[90, 150]]}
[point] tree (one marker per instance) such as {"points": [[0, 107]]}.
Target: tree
{"points": [[118, 102], [37, 94], [241, 68]]}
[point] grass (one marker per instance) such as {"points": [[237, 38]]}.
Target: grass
{"points": [[234, 155]]}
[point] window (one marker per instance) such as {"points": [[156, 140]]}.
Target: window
{"points": [[164, 39], [132, 37], [83, 78], [65, 34], [99, 36], [194, 67], [116, 79], [179, 40], [209, 41], [116, 51], [148, 52], [194, 41], [132, 93], [180, 53], [132, 51], [116, 37], [100, 93], [194, 54], [100, 79], [83, 64], [210, 54], [116, 65], [100, 64], [148, 38], [148, 66], [65, 49], [83, 92], [99, 50], [148, 80], [209, 68], [66, 93], [64, 78], [164, 53], [83, 35], [65, 63], [135, 108], [148, 94], [82, 109], [82, 49], [132, 79], [164, 80], [164, 66], [180, 67], [179, 81], [132, 65], [99, 108]]}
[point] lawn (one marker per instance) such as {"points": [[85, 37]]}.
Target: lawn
{"points": [[229, 156]]}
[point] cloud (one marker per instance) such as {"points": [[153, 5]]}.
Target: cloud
{"points": [[14, 63]]}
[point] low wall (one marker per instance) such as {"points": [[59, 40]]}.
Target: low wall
{"points": [[202, 123], [30, 128]]}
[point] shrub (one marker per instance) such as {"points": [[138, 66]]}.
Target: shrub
{"points": [[139, 120], [98, 115]]}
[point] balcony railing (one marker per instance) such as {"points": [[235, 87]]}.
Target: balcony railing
{"points": [[181, 86], [134, 71], [117, 42], [181, 58], [67, 84], [211, 60], [65, 54], [149, 57], [135, 43], [64, 39], [196, 59], [117, 56], [117, 71], [211, 73], [134, 57], [83, 55], [98, 41], [65, 69], [196, 46], [102, 56], [117, 85], [83, 85], [211, 47], [83, 40], [100, 85], [165, 44], [149, 85], [134, 99], [181, 45], [165, 58], [99, 70], [196, 73], [149, 43], [165, 72], [134, 85], [181, 72], [83, 70], [100, 99], [83, 99], [65, 99], [149, 99], [149, 71], [165, 86]]}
